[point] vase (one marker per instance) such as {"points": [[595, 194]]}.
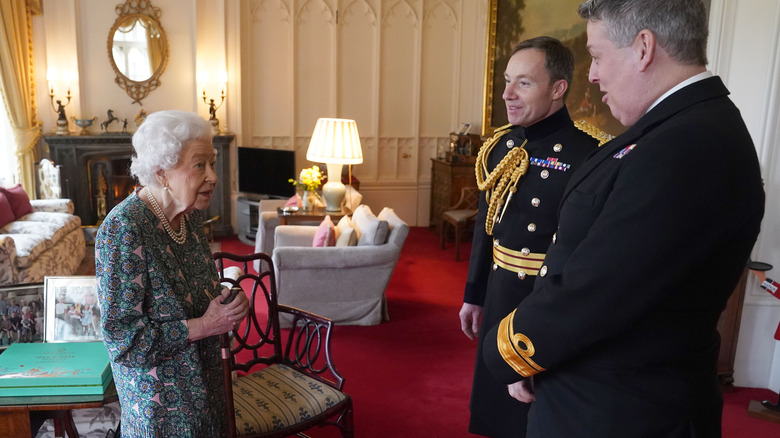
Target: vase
{"points": [[308, 200]]}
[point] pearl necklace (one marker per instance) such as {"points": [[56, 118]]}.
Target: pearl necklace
{"points": [[179, 237]]}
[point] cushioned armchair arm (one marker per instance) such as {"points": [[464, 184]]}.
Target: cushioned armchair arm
{"points": [[294, 235], [53, 205], [292, 257]]}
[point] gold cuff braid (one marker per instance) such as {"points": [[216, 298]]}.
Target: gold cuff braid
{"points": [[509, 346]]}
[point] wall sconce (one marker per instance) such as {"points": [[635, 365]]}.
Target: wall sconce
{"points": [[203, 78], [335, 142], [52, 77]]}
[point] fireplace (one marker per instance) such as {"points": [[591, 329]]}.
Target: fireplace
{"points": [[94, 174]]}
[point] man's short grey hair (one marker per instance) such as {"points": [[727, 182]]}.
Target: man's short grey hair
{"points": [[680, 26], [159, 140]]}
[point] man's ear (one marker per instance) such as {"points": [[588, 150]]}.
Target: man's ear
{"points": [[559, 88], [644, 46]]}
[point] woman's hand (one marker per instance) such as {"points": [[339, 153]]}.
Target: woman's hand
{"points": [[219, 318]]}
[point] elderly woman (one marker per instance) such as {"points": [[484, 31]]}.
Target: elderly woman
{"points": [[159, 292]]}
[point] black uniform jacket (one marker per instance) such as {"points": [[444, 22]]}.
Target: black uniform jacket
{"points": [[555, 148], [655, 230]]}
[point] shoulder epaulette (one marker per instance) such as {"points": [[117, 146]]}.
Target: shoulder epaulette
{"points": [[593, 131]]}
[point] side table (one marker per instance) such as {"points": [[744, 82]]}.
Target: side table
{"points": [[22, 416], [289, 216]]}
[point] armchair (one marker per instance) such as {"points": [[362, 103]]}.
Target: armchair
{"points": [[345, 284], [280, 383]]}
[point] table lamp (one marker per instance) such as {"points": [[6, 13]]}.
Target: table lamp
{"points": [[335, 142]]}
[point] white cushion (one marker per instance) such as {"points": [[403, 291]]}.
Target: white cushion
{"points": [[345, 233], [370, 230]]}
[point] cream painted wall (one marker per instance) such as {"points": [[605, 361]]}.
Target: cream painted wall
{"points": [[743, 50]]}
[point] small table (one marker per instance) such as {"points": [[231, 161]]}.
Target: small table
{"points": [[296, 215], [22, 416]]}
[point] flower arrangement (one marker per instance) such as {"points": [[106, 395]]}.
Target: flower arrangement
{"points": [[310, 179]]}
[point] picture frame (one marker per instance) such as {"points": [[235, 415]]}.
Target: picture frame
{"points": [[30, 294], [72, 310], [512, 21]]}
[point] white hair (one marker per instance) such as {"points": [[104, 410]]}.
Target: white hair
{"points": [[159, 140]]}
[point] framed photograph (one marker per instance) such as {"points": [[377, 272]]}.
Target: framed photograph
{"points": [[512, 21], [26, 300], [72, 311]]}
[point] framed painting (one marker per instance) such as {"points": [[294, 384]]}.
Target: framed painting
{"points": [[512, 21], [72, 311], [27, 303]]}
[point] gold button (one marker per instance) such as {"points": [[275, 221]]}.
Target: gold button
{"points": [[521, 275], [558, 147], [532, 227], [555, 237], [510, 143], [535, 202], [543, 271], [545, 174], [495, 266], [525, 251]]}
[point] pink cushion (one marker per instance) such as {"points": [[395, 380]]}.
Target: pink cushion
{"points": [[6, 213], [326, 234], [20, 203], [294, 201]]}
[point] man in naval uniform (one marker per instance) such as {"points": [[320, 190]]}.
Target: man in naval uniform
{"points": [[654, 231], [523, 170]]}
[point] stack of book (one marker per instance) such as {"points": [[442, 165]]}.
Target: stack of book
{"points": [[68, 368]]}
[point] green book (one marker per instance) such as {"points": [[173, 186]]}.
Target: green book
{"points": [[67, 368]]}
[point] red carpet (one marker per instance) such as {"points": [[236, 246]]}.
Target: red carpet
{"points": [[412, 375]]}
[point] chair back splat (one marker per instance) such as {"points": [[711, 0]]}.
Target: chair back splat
{"points": [[280, 382]]}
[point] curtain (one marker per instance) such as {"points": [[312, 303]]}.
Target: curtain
{"points": [[16, 80]]}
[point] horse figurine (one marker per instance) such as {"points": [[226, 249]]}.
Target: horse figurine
{"points": [[111, 119]]}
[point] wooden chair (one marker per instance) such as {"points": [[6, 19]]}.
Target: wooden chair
{"points": [[460, 215], [283, 381]]}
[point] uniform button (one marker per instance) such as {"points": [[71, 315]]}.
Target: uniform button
{"points": [[543, 271], [521, 275], [532, 227], [495, 242], [535, 202], [525, 251], [495, 266], [558, 147], [555, 237], [510, 143], [545, 174]]}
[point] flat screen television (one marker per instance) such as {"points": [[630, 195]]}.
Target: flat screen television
{"points": [[266, 172]]}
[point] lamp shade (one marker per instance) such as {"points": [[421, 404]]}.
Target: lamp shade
{"points": [[335, 141]]}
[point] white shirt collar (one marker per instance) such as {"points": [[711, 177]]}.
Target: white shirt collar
{"points": [[683, 84]]}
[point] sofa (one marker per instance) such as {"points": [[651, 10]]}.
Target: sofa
{"points": [[48, 241], [344, 283]]}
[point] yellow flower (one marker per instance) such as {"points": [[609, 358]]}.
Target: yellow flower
{"points": [[310, 179]]}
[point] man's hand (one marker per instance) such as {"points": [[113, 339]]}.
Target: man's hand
{"points": [[522, 391], [470, 317]]}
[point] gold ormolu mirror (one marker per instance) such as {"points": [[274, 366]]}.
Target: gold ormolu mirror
{"points": [[137, 48]]}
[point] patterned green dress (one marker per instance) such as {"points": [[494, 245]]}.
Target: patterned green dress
{"points": [[148, 285]]}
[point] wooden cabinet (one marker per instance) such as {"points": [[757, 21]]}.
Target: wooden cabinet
{"points": [[447, 179]]}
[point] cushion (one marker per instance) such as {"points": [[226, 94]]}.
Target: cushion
{"points": [[294, 201], [20, 202], [352, 199], [6, 213], [370, 230], [278, 397], [345, 234], [326, 233]]}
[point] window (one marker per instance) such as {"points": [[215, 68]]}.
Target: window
{"points": [[7, 147]]}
